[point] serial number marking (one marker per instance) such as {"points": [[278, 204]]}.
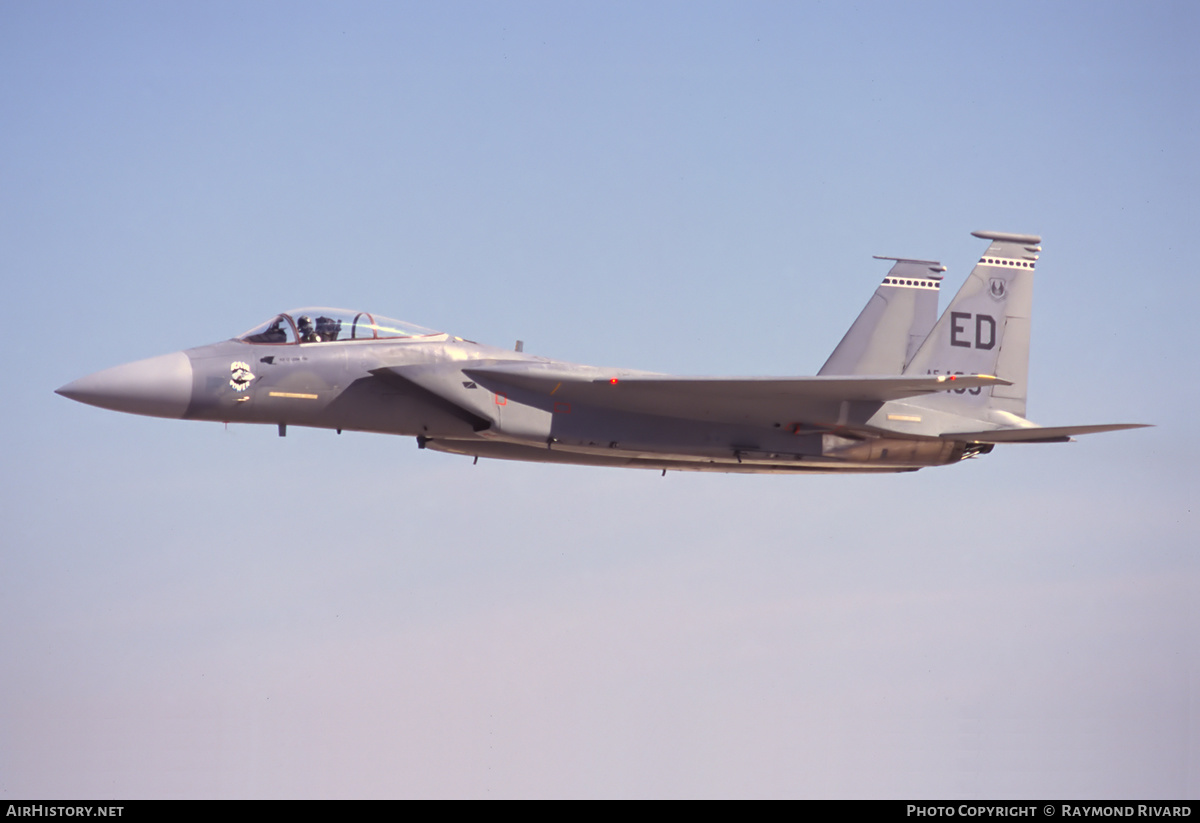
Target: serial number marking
{"points": [[975, 390]]}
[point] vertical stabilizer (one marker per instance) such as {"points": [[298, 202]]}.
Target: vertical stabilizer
{"points": [[985, 329], [892, 325]]}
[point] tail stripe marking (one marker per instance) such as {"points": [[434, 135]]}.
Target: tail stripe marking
{"points": [[912, 284], [1000, 261]]}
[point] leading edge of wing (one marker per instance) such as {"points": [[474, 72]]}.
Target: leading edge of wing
{"points": [[610, 391], [1039, 434], [751, 400]]}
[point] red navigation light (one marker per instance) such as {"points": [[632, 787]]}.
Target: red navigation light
{"points": [[613, 380]]}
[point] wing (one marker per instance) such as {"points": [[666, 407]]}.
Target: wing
{"points": [[754, 400]]}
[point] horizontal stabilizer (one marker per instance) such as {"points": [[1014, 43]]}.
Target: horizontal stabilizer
{"points": [[1038, 434]]}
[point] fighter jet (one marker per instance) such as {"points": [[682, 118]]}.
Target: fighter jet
{"points": [[899, 393]]}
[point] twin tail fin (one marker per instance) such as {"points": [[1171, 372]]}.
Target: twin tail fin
{"points": [[892, 325], [985, 329]]}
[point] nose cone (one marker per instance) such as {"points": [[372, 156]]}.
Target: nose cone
{"points": [[160, 387]]}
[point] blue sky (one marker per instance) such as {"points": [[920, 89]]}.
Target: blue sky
{"points": [[194, 611]]}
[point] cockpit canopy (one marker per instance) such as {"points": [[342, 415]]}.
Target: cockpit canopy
{"points": [[324, 325]]}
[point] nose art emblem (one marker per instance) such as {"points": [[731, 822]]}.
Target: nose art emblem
{"points": [[240, 375]]}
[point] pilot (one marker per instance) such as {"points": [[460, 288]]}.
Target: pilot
{"points": [[274, 333], [328, 329], [305, 324]]}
